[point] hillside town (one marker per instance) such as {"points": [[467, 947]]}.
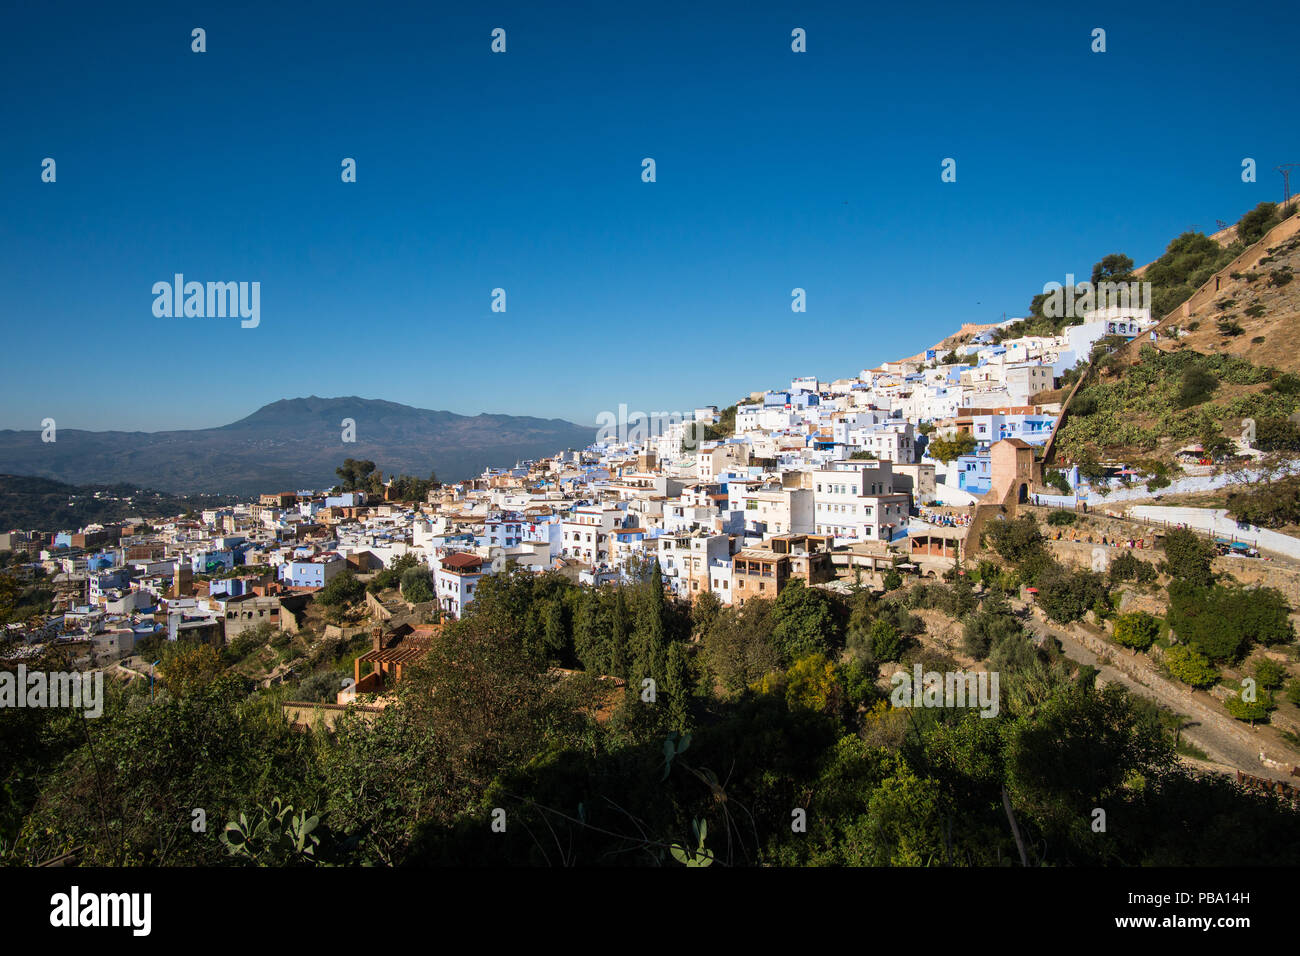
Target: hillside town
{"points": [[669, 438], [833, 483]]}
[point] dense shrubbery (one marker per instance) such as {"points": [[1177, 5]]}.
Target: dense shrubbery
{"points": [[955, 600], [774, 705], [990, 626], [342, 589], [1277, 434], [1067, 594], [1137, 630], [1129, 567], [1015, 540], [948, 449], [1267, 505], [1190, 667], [1224, 622], [1168, 395], [1251, 710], [1188, 557], [417, 584], [1287, 383], [322, 686]]}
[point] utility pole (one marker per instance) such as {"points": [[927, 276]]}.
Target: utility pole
{"points": [[1285, 170]]}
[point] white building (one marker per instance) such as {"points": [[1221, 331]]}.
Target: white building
{"points": [[454, 581], [855, 501], [770, 511], [585, 534]]}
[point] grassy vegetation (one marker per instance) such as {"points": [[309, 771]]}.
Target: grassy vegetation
{"points": [[1169, 398]]}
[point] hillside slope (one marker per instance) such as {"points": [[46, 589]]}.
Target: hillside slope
{"points": [[39, 503], [1239, 328], [1263, 302]]}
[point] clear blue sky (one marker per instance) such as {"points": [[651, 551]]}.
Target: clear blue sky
{"points": [[523, 171]]}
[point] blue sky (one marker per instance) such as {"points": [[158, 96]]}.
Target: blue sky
{"points": [[522, 170]]}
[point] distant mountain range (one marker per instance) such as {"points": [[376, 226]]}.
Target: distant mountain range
{"points": [[291, 444]]}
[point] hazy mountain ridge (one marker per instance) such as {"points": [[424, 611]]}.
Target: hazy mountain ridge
{"points": [[291, 444]]}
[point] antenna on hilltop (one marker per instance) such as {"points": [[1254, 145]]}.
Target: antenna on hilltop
{"points": [[1285, 170]]}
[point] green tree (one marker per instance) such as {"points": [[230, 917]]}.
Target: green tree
{"points": [[949, 449], [993, 623], [676, 686], [1269, 673], [813, 683], [1255, 224], [1116, 267], [417, 586], [1190, 667], [803, 622], [1128, 567], [127, 800], [404, 562], [904, 823], [341, 590], [1222, 622], [1078, 750], [1268, 504], [1251, 710], [649, 640], [1277, 434], [189, 668], [739, 649], [1067, 595], [1015, 540], [886, 641], [705, 610], [1187, 557], [1196, 386], [1137, 630], [355, 474]]}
